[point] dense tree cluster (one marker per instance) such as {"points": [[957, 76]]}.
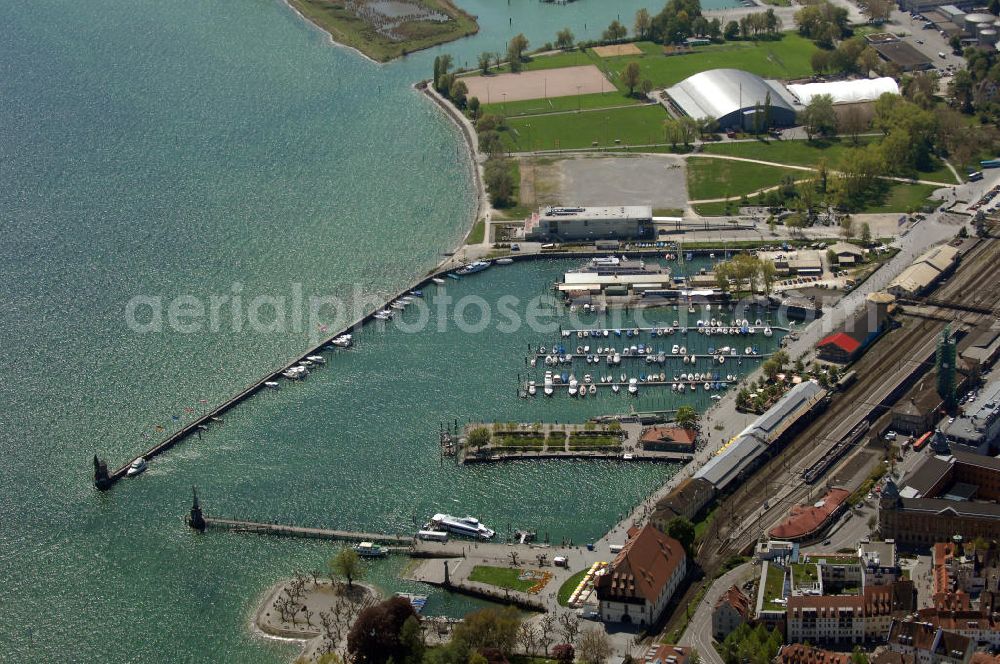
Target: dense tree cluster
{"points": [[675, 22], [976, 89], [745, 272], [823, 22], [750, 645], [850, 56]]}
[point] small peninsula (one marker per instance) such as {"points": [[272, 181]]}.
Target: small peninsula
{"points": [[387, 29]]}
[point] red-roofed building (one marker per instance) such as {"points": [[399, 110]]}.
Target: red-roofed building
{"points": [[732, 610], [798, 653], [642, 578], [838, 347], [669, 439], [806, 522], [846, 344], [982, 627]]}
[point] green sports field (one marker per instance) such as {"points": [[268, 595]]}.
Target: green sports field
{"points": [[627, 126]]}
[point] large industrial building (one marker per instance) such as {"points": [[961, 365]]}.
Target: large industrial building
{"points": [[731, 97], [925, 272], [944, 496], [845, 92], [564, 224], [857, 333], [743, 453]]}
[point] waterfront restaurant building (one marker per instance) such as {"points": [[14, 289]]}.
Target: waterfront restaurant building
{"points": [[589, 224], [639, 582]]}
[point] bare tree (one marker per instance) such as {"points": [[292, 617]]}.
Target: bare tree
{"points": [[594, 646], [528, 637], [547, 627], [513, 558], [569, 625]]}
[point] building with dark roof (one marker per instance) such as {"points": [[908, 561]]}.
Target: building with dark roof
{"points": [[642, 578], [903, 54], [687, 499], [919, 413], [846, 344], [943, 497], [732, 610], [928, 644], [742, 454]]}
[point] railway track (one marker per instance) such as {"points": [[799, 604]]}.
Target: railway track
{"points": [[740, 518]]}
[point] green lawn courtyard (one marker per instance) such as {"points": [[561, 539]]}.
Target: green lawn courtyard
{"points": [[501, 577]]}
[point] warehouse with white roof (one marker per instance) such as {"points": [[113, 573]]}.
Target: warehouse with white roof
{"points": [[845, 92]]}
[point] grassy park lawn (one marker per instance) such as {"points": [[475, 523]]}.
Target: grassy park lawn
{"points": [[517, 210], [502, 577], [718, 178], [809, 153], [477, 233], [630, 126], [903, 197], [786, 58], [507, 440], [794, 152], [348, 28], [569, 585], [513, 109]]}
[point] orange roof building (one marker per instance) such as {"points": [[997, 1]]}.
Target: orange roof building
{"points": [[798, 653], [642, 578], [669, 439], [806, 522], [731, 610]]}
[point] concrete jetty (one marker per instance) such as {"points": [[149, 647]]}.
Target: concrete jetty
{"points": [[285, 530]]}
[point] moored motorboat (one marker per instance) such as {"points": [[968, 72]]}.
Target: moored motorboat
{"points": [[473, 268], [532, 390], [138, 466], [370, 550], [273, 384]]}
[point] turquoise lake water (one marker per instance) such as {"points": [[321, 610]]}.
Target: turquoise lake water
{"points": [[168, 149]]}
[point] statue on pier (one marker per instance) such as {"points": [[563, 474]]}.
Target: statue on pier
{"points": [[196, 520], [101, 478]]}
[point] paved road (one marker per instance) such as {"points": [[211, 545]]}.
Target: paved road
{"points": [[699, 630]]}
